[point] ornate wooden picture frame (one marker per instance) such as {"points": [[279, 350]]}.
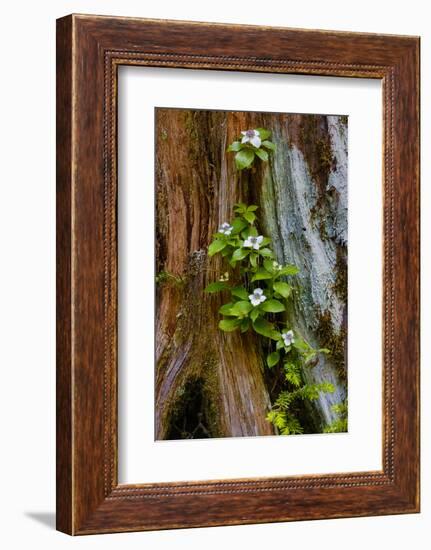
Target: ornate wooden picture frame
{"points": [[89, 51]]}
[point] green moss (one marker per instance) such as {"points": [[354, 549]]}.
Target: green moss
{"points": [[341, 423], [316, 147], [325, 156], [167, 278], [322, 230], [312, 137], [335, 342], [340, 285], [212, 390]]}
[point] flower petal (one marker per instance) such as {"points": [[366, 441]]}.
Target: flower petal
{"points": [[259, 239], [245, 139], [256, 141]]}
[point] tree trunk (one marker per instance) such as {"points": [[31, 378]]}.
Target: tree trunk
{"points": [[210, 383], [303, 197], [206, 380]]}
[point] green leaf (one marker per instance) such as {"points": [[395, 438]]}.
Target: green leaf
{"points": [[216, 246], [301, 345], [283, 288], [245, 324], [235, 146], [263, 327], [276, 336], [266, 252], [267, 264], [273, 358], [252, 208], [240, 292], [232, 263], [263, 155], [240, 207], [241, 309], [263, 133], [254, 314], [249, 216], [226, 309], [228, 325], [244, 158], [251, 231], [289, 270], [280, 344], [253, 259], [269, 145], [238, 225], [272, 306], [216, 287], [261, 274], [240, 254]]}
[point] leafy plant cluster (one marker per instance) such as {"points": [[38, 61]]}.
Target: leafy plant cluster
{"points": [[252, 144], [258, 304], [340, 424]]}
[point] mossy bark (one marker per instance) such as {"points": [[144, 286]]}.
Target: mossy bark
{"points": [[303, 199], [210, 383]]}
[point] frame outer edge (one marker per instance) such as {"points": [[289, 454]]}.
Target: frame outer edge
{"points": [[407, 270], [81, 508], [64, 300]]}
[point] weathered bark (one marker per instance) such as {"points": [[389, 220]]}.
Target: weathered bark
{"points": [[303, 197], [207, 380], [196, 192]]}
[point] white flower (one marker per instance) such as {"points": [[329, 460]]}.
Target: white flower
{"points": [[225, 228], [253, 242], [288, 337], [253, 137], [257, 297]]}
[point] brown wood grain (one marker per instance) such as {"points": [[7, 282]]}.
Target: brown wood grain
{"points": [[63, 288], [89, 50]]}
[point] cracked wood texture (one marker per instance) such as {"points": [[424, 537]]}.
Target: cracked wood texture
{"points": [[302, 193], [89, 498]]}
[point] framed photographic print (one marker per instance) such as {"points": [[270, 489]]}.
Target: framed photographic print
{"points": [[237, 274]]}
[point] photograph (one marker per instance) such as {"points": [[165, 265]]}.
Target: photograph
{"points": [[251, 249]]}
